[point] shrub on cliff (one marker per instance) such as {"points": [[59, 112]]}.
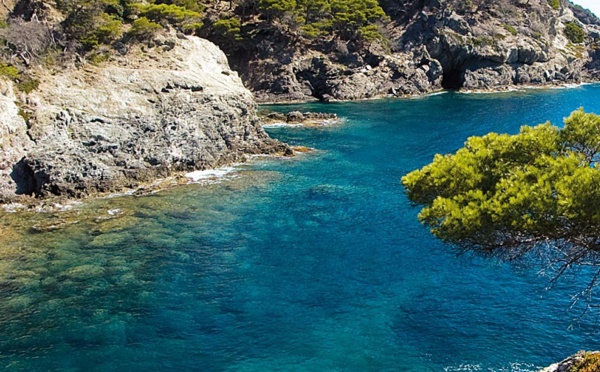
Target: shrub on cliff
{"points": [[347, 19], [87, 21], [171, 14], [8, 71], [228, 29], [143, 29], [90, 23], [276, 8], [574, 32], [107, 30], [350, 16]]}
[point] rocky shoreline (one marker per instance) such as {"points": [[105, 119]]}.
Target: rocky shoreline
{"points": [[178, 106], [581, 361], [433, 47], [151, 114], [306, 118]]}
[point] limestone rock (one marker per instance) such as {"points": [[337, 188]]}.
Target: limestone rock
{"points": [[142, 116], [14, 142]]}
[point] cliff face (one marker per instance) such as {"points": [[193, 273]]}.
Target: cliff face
{"points": [[14, 142], [431, 45], [176, 107]]}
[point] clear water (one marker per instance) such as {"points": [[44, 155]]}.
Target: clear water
{"points": [[309, 264]]}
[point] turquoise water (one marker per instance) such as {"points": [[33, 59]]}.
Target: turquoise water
{"points": [[315, 263]]}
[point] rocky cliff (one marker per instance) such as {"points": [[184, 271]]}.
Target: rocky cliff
{"points": [[430, 45], [156, 111]]}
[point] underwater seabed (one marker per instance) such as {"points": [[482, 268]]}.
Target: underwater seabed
{"points": [[314, 263]]}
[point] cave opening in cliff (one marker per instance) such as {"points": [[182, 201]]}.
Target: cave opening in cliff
{"points": [[453, 79], [24, 178]]}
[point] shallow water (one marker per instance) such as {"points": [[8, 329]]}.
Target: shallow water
{"points": [[315, 263]]}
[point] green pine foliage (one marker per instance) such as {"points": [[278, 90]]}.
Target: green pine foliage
{"points": [[228, 29], [143, 28], [191, 5], [107, 30], [312, 11], [347, 19], [171, 14], [508, 195], [277, 8], [90, 26], [93, 23]]}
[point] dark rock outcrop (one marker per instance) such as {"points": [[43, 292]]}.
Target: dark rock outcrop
{"points": [[434, 45], [318, 77]]}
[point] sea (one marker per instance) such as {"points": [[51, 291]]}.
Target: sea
{"points": [[311, 263]]}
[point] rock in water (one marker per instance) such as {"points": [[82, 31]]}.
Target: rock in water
{"points": [[145, 115], [575, 362]]}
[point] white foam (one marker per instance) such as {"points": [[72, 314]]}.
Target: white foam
{"points": [[435, 93], [282, 125], [209, 174], [13, 207], [512, 367], [569, 86], [119, 194], [113, 212], [464, 368]]}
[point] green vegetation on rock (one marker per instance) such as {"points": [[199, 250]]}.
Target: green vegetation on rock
{"points": [[574, 32], [590, 363], [143, 28], [511, 29], [8, 70], [344, 18], [229, 29], [263, 37]]}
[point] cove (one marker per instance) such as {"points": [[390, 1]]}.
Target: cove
{"points": [[315, 263]]}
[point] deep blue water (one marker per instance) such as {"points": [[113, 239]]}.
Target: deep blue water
{"points": [[316, 263]]}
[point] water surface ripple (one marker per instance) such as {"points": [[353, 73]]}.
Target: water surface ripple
{"points": [[309, 264]]}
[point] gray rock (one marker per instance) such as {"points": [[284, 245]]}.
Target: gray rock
{"points": [[100, 129], [14, 144], [295, 117], [438, 44]]}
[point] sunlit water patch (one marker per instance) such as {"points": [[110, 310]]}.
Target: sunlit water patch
{"points": [[309, 264]]}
